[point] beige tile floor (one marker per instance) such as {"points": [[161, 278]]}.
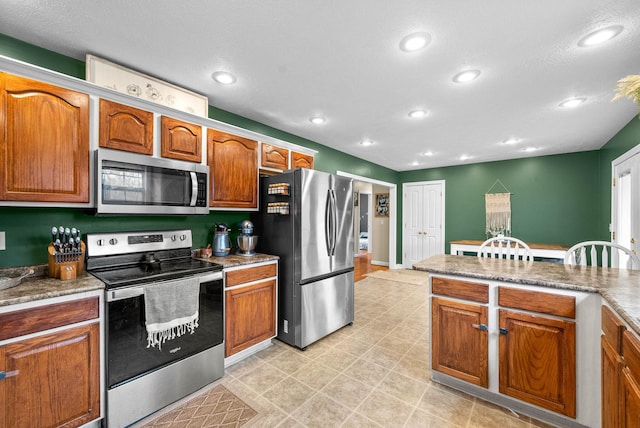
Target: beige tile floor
{"points": [[371, 374]]}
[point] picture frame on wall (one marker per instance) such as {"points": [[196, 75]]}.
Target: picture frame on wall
{"points": [[113, 76], [382, 204], [356, 196]]}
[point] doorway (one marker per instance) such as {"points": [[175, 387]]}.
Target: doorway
{"points": [[625, 202], [423, 221], [384, 255]]}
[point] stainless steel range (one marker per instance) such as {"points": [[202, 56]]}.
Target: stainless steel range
{"points": [[145, 374]]}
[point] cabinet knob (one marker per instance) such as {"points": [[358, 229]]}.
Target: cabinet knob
{"points": [[503, 331], [482, 327], [633, 240]]}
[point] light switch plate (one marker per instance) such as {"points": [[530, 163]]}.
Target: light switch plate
{"points": [[2, 244]]}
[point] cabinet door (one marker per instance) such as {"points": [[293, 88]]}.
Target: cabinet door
{"points": [[233, 163], [300, 160], [611, 373], [125, 128], [274, 157], [251, 316], [460, 340], [631, 401], [44, 142], [537, 360], [55, 382], [180, 140]]}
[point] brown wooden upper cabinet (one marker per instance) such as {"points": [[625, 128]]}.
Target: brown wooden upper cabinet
{"points": [[274, 157], [44, 146], [233, 163], [180, 140], [127, 128], [300, 160]]}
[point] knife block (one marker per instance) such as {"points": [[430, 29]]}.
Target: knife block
{"points": [[65, 266]]}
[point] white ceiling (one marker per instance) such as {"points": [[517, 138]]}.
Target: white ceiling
{"points": [[341, 59]]}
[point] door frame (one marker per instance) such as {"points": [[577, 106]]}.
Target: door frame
{"points": [[443, 184], [393, 206]]}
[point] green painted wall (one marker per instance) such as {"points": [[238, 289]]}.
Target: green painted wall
{"points": [[28, 229], [552, 197]]}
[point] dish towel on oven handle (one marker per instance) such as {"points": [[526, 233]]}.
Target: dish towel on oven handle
{"points": [[171, 310]]}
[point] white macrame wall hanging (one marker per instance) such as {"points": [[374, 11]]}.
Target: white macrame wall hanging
{"points": [[498, 212]]}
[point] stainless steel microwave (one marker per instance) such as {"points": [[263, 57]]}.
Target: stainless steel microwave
{"points": [[130, 183]]}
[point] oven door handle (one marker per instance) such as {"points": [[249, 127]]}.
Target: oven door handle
{"points": [[125, 293]]}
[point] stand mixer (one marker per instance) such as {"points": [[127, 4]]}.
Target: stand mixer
{"points": [[246, 239]]}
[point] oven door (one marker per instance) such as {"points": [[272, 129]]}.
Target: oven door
{"points": [[127, 354]]}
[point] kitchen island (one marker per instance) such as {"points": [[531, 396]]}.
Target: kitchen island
{"points": [[526, 335]]}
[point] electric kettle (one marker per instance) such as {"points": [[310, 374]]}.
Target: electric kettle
{"points": [[221, 242]]}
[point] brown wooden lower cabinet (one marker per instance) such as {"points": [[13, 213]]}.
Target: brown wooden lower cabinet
{"points": [[459, 344], [251, 315], [630, 406], [250, 312], [611, 375], [537, 360], [52, 380]]}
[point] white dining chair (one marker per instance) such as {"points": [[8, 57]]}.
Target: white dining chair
{"points": [[588, 253], [505, 247]]}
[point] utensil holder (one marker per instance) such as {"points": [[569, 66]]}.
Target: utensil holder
{"points": [[66, 265]]}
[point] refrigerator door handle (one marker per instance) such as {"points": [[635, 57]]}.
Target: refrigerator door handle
{"points": [[327, 222], [334, 222]]}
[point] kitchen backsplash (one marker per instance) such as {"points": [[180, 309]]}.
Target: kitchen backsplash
{"points": [[28, 230]]}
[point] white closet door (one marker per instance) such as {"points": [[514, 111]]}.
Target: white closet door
{"points": [[423, 226]]}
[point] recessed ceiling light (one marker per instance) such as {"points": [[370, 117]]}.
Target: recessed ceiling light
{"points": [[600, 36], [415, 163], [416, 114], [465, 157], [224, 77], [572, 102], [429, 153], [366, 143], [511, 141], [466, 76], [318, 120], [415, 41], [530, 149]]}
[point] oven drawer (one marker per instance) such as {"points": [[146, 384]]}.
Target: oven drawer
{"points": [[250, 274], [41, 318]]}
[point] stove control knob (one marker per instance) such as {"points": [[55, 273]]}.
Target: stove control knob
{"points": [[113, 241], [183, 237], [100, 242], [174, 237]]}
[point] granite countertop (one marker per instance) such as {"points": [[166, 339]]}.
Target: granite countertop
{"points": [[619, 287], [233, 260], [39, 286]]}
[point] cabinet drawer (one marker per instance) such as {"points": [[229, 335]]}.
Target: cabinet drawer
{"points": [[536, 301], [474, 291], [631, 352], [33, 320], [612, 328], [241, 276]]}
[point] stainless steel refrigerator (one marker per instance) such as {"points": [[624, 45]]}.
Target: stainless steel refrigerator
{"points": [[306, 218]]}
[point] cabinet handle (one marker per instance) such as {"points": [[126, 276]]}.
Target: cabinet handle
{"points": [[482, 327], [503, 330], [4, 375]]}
